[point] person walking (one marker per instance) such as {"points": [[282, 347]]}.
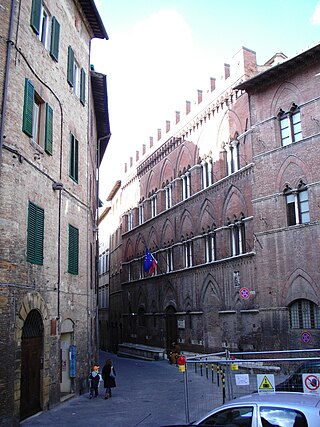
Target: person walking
{"points": [[94, 379], [108, 376]]}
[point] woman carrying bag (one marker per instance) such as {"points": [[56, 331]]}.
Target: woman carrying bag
{"points": [[108, 376]]}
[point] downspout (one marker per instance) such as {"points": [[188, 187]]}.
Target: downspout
{"points": [[6, 79]]}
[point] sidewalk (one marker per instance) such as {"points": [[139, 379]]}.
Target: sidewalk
{"points": [[148, 394]]}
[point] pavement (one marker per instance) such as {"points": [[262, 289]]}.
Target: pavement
{"points": [[148, 394]]}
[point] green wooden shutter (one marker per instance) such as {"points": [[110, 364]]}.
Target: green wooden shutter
{"points": [[48, 142], [71, 162], [74, 155], [55, 37], [76, 159], [35, 234], [28, 107], [35, 15], [73, 252], [70, 66], [82, 87]]}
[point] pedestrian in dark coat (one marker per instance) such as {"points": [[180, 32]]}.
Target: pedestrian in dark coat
{"points": [[108, 376]]}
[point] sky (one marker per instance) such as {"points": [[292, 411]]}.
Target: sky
{"points": [[160, 52]]}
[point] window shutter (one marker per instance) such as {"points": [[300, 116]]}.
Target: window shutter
{"points": [[76, 158], [28, 107], [35, 15], [55, 37], [70, 66], [73, 250], [35, 234], [83, 87], [49, 130]]}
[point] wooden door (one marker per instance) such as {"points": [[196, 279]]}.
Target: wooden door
{"points": [[31, 365]]}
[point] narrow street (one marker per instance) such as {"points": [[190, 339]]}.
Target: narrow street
{"points": [[148, 394]]}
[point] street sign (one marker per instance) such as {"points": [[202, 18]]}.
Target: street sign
{"points": [[306, 337], [311, 383], [265, 383], [244, 293]]}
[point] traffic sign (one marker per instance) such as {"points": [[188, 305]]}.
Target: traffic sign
{"points": [[311, 383], [265, 383], [306, 337], [244, 293]]}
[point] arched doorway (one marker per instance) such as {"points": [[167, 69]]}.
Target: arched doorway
{"points": [[31, 364], [171, 326]]}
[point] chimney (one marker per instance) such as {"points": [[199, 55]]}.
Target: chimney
{"points": [[226, 71], [131, 161], [159, 134], [151, 141], [137, 155], [125, 167], [212, 83], [177, 117], [199, 96], [144, 149], [167, 126], [188, 107]]}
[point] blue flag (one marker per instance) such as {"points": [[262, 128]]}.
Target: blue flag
{"points": [[150, 263]]}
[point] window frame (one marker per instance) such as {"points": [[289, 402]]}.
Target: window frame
{"points": [[297, 209], [289, 124], [46, 27], [304, 314], [37, 121], [76, 76]]}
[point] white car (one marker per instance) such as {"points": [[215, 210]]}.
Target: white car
{"points": [[279, 409]]}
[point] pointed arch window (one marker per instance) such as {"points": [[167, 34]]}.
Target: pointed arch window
{"points": [[188, 253], [186, 186], [237, 238], [290, 125], [210, 246], [207, 175], [297, 202], [169, 260], [233, 156], [168, 196]]}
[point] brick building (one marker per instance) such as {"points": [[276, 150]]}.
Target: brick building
{"points": [[224, 198], [54, 121]]}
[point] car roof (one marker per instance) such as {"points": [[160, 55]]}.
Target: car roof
{"points": [[279, 398]]}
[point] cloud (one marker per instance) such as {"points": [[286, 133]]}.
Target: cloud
{"points": [[315, 19]]}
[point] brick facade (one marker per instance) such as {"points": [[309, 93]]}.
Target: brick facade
{"points": [[65, 302], [226, 228]]}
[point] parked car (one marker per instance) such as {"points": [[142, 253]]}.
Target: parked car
{"points": [[294, 381], [278, 409]]}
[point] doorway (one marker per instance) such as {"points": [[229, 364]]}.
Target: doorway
{"points": [[31, 365], [171, 327]]}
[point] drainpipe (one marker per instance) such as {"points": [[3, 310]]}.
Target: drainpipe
{"points": [[6, 79]]}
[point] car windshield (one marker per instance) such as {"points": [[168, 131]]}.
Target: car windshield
{"points": [[282, 417]]}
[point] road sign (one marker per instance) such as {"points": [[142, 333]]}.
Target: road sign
{"points": [[265, 383], [244, 293], [311, 383], [306, 337]]}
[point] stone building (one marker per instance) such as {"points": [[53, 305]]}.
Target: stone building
{"points": [[54, 121], [226, 203]]}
